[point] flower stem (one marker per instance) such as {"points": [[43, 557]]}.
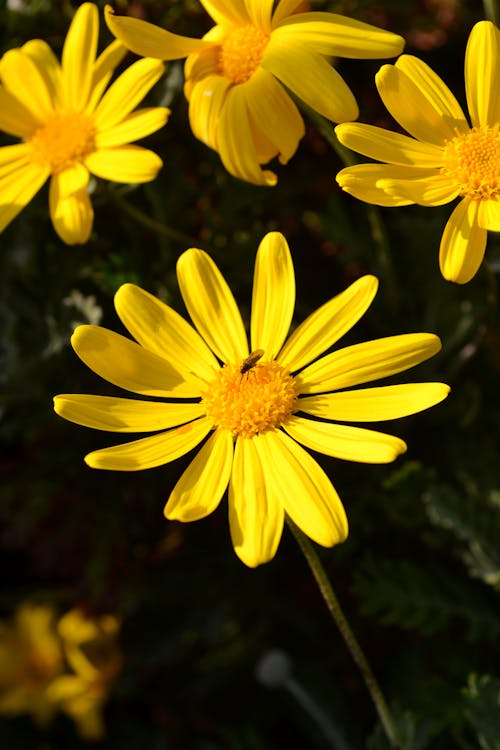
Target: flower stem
{"points": [[352, 644], [153, 224], [491, 11]]}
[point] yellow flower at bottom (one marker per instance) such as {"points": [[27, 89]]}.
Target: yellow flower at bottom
{"points": [[256, 404], [71, 127], [237, 75], [446, 158]]}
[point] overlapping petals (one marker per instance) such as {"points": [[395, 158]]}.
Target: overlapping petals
{"points": [[238, 105], [211, 388], [71, 126], [443, 158]]}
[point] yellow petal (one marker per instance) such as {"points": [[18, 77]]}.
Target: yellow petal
{"points": [[206, 101], [375, 404], [488, 216], [16, 118], [152, 451], [463, 243], [124, 414], [211, 305], [78, 56], [367, 361], [104, 68], [412, 107], [482, 74], [17, 188], [332, 34], [362, 181], [22, 79], [149, 40], [126, 92], [284, 8], [161, 330], [235, 140], [386, 146], [273, 298], [227, 12], [436, 92], [70, 209], [137, 125], [425, 187], [259, 13], [345, 442], [132, 164], [48, 65], [256, 513], [312, 79], [274, 113], [201, 487], [13, 158], [328, 324], [307, 494], [128, 365]]}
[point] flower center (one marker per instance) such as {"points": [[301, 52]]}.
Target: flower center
{"points": [[255, 400], [66, 139], [241, 52], [472, 161]]}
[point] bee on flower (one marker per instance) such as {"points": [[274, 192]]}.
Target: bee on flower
{"points": [[253, 410], [71, 125], [236, 75]]}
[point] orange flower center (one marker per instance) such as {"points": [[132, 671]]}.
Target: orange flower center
{"points": [[241, 52], [64, 140], [252, 401], [472, 162]]}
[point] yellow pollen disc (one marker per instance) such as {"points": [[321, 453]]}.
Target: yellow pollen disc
{"points": [[241, 52], [251, 402], [64, 140], [472, 162]]}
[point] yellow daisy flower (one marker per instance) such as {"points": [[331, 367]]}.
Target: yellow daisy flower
{"points": [[70, 126], [235, 75], [446, 158], [258, 405]]}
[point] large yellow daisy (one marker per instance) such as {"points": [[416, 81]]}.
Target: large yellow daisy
{"points": [[256, 404], [446, 158], [236, 74], [70, 126]]}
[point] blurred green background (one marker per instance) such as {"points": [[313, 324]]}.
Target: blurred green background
{"points": [[419, 575]]}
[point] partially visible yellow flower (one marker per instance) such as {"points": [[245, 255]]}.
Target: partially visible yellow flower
{"points": [[30, 659], [91, 652], [48, 666], [236, 75], [70, 126], [446, 158], [256, 404]]}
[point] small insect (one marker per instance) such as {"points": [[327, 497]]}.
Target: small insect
{"points": [[251, 360]]}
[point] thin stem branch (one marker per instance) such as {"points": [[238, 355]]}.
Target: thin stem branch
{"points": [[491, 11], [154, 225], [352, 644]]}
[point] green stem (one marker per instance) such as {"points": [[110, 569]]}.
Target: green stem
{"points": [[352, 644], [154, 225], [491, 11], [378, 232]]}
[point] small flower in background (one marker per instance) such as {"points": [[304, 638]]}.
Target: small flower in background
{"points": [[70, 126], [446, 158], [67, 665], [259, 404], [235, 75]]}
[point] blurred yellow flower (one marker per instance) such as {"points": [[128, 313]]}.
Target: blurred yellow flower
{"points": [[259, 404], [446, 158], [70, 126], [48, 666], [236, 75], [30, 658]]}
